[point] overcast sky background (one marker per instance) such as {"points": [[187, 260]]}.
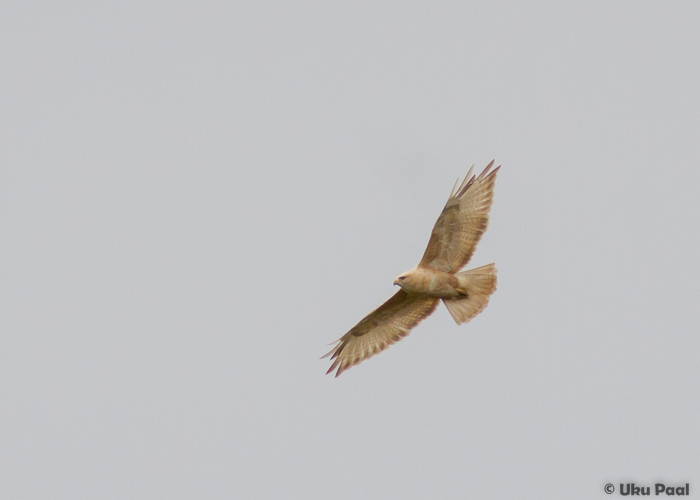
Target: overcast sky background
{"points": [[196, 198]]}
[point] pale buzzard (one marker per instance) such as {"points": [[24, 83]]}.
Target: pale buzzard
{"points": [[452, 243]]}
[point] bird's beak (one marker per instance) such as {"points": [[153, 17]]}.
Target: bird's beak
{"points": [[396, 282]]}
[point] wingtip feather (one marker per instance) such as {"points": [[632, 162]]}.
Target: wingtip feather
{"points": [[454, 189]]}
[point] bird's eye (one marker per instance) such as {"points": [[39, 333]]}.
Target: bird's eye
{"points": [[401, 278]]}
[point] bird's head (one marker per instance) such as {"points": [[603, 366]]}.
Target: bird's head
{"points": [[407, 281]]}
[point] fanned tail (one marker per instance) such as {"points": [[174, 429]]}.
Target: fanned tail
{"points": [[479, 284]]}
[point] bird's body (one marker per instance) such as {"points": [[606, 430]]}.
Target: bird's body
{"points": [[437, 277], [431, 283]]}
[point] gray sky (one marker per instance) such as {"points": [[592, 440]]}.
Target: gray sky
{"points": [[198, 197]]}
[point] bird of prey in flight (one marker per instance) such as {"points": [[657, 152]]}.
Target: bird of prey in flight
{"points": [[437, 277]]}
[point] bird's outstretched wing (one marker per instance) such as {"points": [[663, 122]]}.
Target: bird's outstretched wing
{"points": [[384, 326], [461, 223]]}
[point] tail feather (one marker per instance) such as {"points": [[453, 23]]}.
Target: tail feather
{"points": [[479, 284]]}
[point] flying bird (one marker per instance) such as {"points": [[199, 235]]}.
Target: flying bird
{"points": [[437, 277]]}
